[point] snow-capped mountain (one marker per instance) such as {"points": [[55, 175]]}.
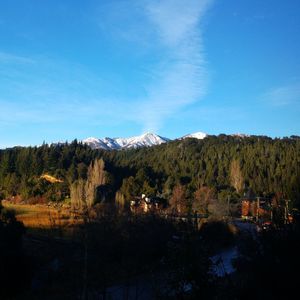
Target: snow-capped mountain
{"points": [[240, 135], [144, 140], [197, 135], [105, 143]]}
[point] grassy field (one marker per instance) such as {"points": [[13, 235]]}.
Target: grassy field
{"points": [[42, 216]]}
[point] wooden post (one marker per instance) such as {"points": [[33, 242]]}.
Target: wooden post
{"points": [[228, 208], [272, 214], [286, 211], [257, 208]]}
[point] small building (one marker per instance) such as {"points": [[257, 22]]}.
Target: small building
{"points": [[257, 208], [147, 203]]}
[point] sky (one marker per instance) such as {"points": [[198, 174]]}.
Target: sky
{"points": [[75, 69]]}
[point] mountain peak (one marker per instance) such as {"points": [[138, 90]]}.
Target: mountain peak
{"points": [[196, 135], [240, 135], [147, 139], [149, 133]]}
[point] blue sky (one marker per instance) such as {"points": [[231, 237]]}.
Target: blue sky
{"points": [[73, 69]]}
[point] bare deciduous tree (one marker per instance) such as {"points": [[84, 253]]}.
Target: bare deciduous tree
{"points": [[202, 197], [77, 193], [120, 200], [96, 177], [84, 192], [236, 176], [178, 201]]}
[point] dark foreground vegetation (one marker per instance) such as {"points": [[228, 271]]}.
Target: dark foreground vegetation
{"points": [[15, 266], [146, 257]]}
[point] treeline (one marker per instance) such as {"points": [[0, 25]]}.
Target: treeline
{"points": [[218, 167], [22, 167]]}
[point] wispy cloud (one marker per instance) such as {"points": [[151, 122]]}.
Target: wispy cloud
{"points": [[7, 58], [167, 38], [168, 43], [180, 78], [283, 96], [45, 90], [176, 21]]}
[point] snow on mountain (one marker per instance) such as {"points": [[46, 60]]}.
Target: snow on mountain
{"points": [[95, 143], [197, 135], [144, 140], [240, 135]]}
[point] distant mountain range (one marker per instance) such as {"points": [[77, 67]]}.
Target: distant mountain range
{"points": [[144, 140]]}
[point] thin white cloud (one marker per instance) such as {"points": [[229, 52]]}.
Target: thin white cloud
{"points": [[167, 41], [166, 36], [42, 90], [283, 95], [7, 58], [181, 77], [177, 21]]}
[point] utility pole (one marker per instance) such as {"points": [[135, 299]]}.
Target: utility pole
{"points": [[272, 213], [228, 206], [257, 208], [286, 211]]}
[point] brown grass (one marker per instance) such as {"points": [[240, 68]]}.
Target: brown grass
{"points": [[50, 178], [43, 216]]}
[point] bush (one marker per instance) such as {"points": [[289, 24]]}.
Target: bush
{"points": [[218, 234], [14, 271]]}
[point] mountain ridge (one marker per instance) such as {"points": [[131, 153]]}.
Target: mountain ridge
{"points": [[145, 140]]}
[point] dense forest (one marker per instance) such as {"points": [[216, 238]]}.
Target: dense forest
{"points": [[222, 166]]}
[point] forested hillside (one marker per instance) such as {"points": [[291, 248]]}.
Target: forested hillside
{"points": [[224, 166]]}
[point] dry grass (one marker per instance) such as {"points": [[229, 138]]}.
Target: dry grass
{"points": [[50, 178], [42, 216]]}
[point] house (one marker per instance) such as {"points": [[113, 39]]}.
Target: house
{"points": [[256, 208], [147, 203]]}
